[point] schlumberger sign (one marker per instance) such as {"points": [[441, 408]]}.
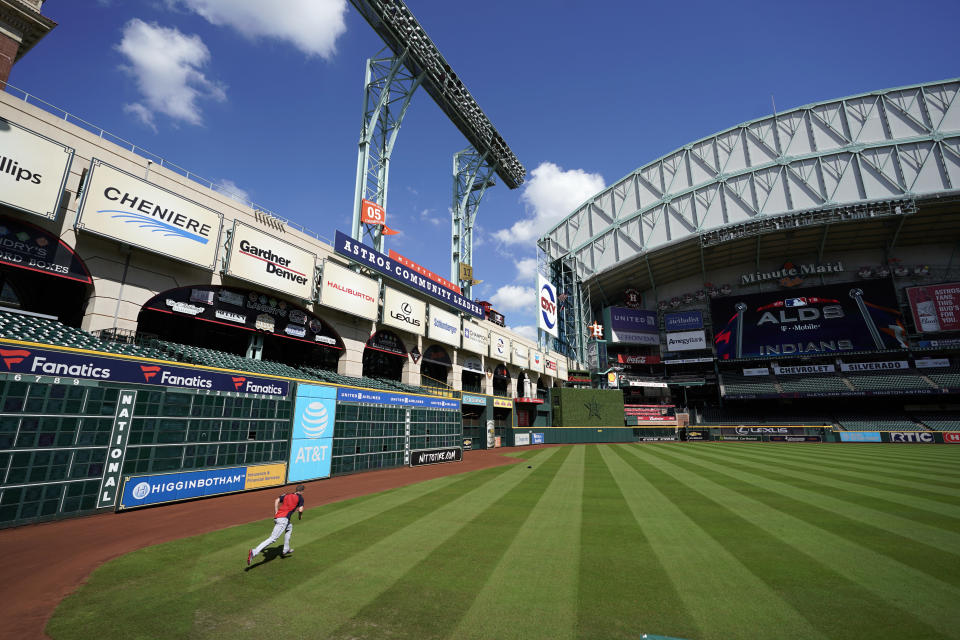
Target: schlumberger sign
{"points": [[359, 252]]}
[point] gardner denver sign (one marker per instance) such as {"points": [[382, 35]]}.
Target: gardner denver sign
{"points": [[259, 257], [121, 206], [38, 363]]}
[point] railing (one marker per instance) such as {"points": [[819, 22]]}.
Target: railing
{"points": [[502, 393], [103, 134], [473, 388], [438, 388]]}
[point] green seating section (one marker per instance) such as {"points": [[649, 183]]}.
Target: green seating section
{"points": [[811, 384], [748, 385], [946, 380], [878, 423], [940, 422], [888, 381], [18, 326]]}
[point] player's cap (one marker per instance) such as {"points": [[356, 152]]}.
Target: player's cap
{"points": [[300, 488]]}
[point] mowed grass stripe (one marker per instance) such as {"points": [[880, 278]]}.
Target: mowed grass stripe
{"points": [[702, 568], [891, 536], [219, 567], [533, 588], [933, 493], [623, 589], [845, 590], [895, 455], [917, 471], [428, 600]]}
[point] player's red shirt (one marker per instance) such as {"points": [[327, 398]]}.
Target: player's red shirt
{"points": [[289, 502]]}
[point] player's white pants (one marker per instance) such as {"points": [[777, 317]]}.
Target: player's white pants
{"points": [[282, 524]]}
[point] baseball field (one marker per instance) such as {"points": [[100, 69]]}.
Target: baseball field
{"points": [[699, 541]]}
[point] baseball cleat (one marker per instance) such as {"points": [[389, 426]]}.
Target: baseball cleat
{"points": [[286, 553]]}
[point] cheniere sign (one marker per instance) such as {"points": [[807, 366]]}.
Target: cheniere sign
{"points": [[369, 257]]}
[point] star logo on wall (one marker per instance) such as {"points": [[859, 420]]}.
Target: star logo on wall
{"points": [[593, 407]]}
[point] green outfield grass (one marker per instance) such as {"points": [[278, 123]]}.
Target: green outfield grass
{"points": [[701, 541]]}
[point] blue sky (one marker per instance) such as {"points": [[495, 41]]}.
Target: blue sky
{"points": [[268, 102]]}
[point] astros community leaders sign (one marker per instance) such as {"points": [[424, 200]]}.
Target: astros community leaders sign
{"points": [[259, 257], [367, 256], [121, 206]]}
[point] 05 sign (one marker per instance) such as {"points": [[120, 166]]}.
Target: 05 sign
{"points": [[547, 307], [372, 213]]}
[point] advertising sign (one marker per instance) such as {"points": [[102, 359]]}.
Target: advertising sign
{"points": [[686, 341], [118, 205], [413, 266], [117, 451], [403, 312], [499, 347], [472, 364], [633, 326], [890, 365], [259, 257], [921, 437], [831, 319], [502, 403], [477, 401], [663, 413], [475, 337], [139, 491], [395, 399], [520, 355], [795, 439], [25, 246], [860, 436], [341, 288], [537, 438], [756, 371], [683, 321], [932, 363], [423, 457], [951, 437], [64, 364], [547, 306], [935, 307], [536, 361], [311, 446], [802, 369], [248, 310], [33, 170], [521, 439], [443, 326], [370, 257]]}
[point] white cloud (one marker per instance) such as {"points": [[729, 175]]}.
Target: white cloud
{"points": [[426, 216], [166, 65], [513, 297], [527, 331], [230, 188], [551, 194], [312, 26], [526, 269]]}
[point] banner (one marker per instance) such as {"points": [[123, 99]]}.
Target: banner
{"points": [[916, 437], [547, 306], [311, 444], [683, 321], [951, 437], [536, 361], [67, 365], [521, 439], [139, 491], [537, 438], [686, 341], [413, 266], [802, 369], [632, 326], [33, 170], [121, 206], [756, 371], [520, 355], [477, 401], [932, 363], [795, 439], [890, 365], [25, 246], [475, 337], [344, 290], [827, 320], [663, 413], [264, 259], [368, 256], [248, 310], [499, 347], [625, 358], [502, 403], [935, 307], [403, 312], [860, 436], [745, 431], [423, 457], [394, 399], [443, 326]]}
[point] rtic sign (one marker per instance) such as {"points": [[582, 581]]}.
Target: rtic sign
{"points": [[922, 437], [59, 364]]}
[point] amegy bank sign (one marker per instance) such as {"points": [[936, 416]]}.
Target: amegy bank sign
{"points": [[118, 205], [259, 257]]}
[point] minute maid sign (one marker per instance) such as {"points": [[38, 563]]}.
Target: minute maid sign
{"points": [[121, 206], [311, 448]]}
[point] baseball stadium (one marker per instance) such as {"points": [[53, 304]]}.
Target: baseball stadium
{"points": [[736, 422]]}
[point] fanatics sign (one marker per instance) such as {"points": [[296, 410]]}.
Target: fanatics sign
{"points": [[259, 257], [123, 207]]}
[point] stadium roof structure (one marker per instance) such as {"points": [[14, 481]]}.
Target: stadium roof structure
{"points": [[846, 173]]}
